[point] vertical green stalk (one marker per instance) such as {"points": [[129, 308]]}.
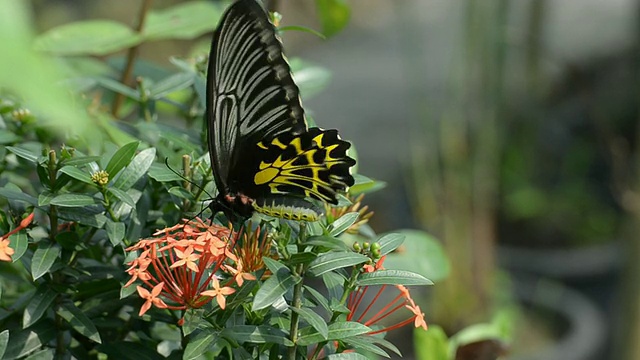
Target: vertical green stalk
{"points": [[131, 57], [297, 296], [186, 183]]}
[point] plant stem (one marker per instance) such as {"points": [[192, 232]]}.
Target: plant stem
{"points": [[131, 57], [297, 297]]}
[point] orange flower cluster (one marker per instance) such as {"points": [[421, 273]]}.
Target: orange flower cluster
{"points": [[401, 301], [5, 250], [180, 267]]}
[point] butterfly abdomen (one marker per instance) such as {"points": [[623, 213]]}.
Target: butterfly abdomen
{"points": [[289, 208]]}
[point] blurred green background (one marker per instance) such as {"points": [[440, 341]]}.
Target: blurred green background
{"points": [[507, 129]]}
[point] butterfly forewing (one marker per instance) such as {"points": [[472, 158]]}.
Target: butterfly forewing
{"points": [[250, 92], [263, 156]]}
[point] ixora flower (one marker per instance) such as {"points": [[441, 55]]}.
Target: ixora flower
{"points": [[186, 266], [365, 308], [5, 250]]}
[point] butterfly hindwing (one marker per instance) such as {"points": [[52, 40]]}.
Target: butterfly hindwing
{"points": [[313, 164]]}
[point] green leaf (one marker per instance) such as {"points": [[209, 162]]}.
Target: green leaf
{"points": [[77, 174], [26, 341], [136, 169], [273, 265], [257, 334], [7, 137], [122, 196], [180, 192], [364, 185], [19, 244], [343, 223], [316, 297], [173, 83], [43, 258], [199, 345], [45, 354], [119, 88], [81, 160], [390, 242], [93, 37], [13, 194], [121, 158], [4, 340], [79, 321], [313, 319], [39, 303], [392, 277], [420, 253], [73, 200], [366, 343], [273, 289], [160, 172], [82, 216], [337, 331], [327, 242], [115, 231], [25, 154], [335, 260], [183, 21], [430, 344], [334, 15], [347, 356], [44, 199]]}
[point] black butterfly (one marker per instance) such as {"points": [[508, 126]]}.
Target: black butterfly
{"points": [[264, 158]]}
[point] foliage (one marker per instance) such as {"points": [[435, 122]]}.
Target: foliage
{"points": [[76, 202]]}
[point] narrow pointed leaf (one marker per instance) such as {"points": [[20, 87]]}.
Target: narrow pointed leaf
{"points": [[272, 289], [115, 232], [160, 172], [199, 345], [73, 200], [313, 319], [39, 303], [77, 174], [121, 158], [19, 244], [347, 356], [343, 223], [337, 331], [335, 260], [257, 334], [92, 37], [13, 194], [136, 169], [25, 154], [327, 242], [79, 321], [122, 196], [4, 340], [175, 82], [43, 258], [390, 242], [392, 277], [80, 160]]}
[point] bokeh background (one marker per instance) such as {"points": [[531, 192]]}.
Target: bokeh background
{"points": [[507, 129]]}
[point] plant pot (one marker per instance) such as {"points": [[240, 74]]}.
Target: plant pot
{"points": [[594, 271], [575, 323]]}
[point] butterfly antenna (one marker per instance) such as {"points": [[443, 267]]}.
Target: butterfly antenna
{"points": [[187, 183]]}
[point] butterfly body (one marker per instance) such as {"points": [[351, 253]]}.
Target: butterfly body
{"points": [[264, 158]]}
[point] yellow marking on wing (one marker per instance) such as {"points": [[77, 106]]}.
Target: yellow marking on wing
{"points": [[264, 176]]}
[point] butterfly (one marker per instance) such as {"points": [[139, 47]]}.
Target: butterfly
{"points": [[264, 156]]}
